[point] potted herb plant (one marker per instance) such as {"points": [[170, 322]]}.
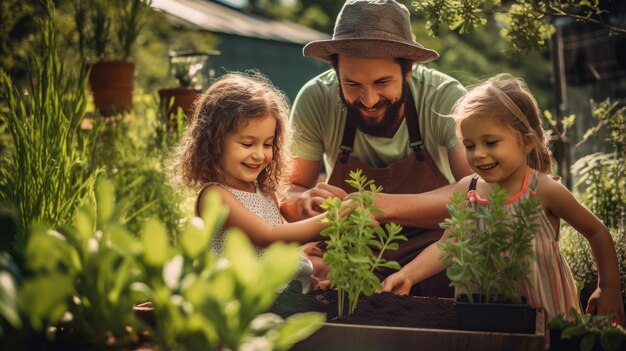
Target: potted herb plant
{"points": [[350, 240], [585, 332], [191, 70], [99, 24], [486, 264]]}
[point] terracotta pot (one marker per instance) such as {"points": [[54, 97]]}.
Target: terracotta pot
{"points": [[112, 85], [182, 97]]}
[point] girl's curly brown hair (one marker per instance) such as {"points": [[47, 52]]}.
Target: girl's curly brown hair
{"points": [[226, 106]]}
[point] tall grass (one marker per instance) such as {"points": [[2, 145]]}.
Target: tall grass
{"points": [[45, 174]]}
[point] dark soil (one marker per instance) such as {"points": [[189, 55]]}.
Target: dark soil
{"points": [[380, 309], [389, 310]]}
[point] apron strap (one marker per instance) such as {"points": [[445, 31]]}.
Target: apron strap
{"points": [[415, 136], [347, 141]]}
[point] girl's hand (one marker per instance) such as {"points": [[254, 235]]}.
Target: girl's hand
{"points": [[607, 301], [397, 283]]}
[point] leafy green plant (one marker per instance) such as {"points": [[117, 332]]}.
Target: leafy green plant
{"points": [[98, 21], [578, 253], [489, 261], [205, 302], [45, 173], [350, 240], [86, 271], [592, 330], [133, 152], [601, 175], [94, 271], [526, 23]]}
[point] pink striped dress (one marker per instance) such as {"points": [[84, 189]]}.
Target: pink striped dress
{"points": [[551, 284]]}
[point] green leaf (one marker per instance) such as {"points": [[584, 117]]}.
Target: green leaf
{"points": [[154, 240], [355, 258], [84, 225], [123, 241], [8, 299], [195, 238], [214, 213], [298, 327], [240, 253], [586, 344], [279, 264], [105, 199], [43, 309]]}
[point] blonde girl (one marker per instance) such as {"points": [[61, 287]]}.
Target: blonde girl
{"points": [[505, 144], [235, 145]]}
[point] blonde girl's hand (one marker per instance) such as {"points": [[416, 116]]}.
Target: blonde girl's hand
{"points": [[397, 283], [607, 301]]}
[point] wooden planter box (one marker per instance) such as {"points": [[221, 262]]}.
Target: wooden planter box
{"points": [[336, 337]]}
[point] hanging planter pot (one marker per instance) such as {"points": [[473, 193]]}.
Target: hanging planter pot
{"points": [[112, 85], [181, 97], [494, 317]]}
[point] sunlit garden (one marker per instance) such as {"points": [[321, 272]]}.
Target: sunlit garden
{"points": [[99, 250]]}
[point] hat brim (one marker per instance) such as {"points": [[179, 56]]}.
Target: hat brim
{"points": [[367, 47]]}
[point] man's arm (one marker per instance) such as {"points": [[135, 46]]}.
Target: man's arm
{"points": [[305, 195], [425, 210]]}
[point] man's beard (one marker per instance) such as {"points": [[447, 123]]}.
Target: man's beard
{"points": [[370, 126]]}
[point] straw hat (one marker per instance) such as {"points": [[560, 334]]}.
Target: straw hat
{"points": [[371, 28]]}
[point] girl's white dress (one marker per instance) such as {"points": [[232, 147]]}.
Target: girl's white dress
{"points": [[262, 205]]}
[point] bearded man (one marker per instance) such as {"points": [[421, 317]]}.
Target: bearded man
{"points": [[380, 110]]}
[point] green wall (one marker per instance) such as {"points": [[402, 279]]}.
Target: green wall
{"points": [[281, 62]]}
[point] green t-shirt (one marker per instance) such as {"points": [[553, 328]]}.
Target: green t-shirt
{"points": [[318, 120]]}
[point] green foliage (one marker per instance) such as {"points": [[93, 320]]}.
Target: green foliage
{"points": [[133, 150], [593, 330], [86, 271], [464, 16], [578, 253], [98, 21], [45, 173], [95, 270], [350, 240], [8, 293], [601, 175], [526, 22], [131, 20], [526, 26], [205, 302], [490, 261], [16, 33]]}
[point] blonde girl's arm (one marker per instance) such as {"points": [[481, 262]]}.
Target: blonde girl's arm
{"points": [[425, 265], [260, 232], [607, 298]]}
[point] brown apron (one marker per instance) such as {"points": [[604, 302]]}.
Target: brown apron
{"points": [[415, 174]]}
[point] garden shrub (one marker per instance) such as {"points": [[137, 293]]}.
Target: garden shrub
{"points": [[133, 151], [602, 188], [84, 278], [45, 172]]}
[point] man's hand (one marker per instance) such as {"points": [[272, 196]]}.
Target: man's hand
{"points": [[397, 283], [309, 201]]}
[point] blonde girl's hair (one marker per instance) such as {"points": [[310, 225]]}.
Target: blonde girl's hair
{"points": [[508, 99], [229, 104]]}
